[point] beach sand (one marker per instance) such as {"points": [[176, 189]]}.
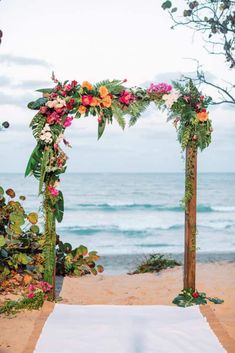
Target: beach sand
{"points": [[19, 334]]}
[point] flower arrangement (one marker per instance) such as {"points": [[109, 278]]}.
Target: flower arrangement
{"points": [[188, 297], [106, 100]]}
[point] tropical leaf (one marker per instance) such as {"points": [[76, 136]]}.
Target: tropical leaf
{"points": [[118, 115], [45, 90], [59, 208], [37, 104], [44, 163], [101, 127]]}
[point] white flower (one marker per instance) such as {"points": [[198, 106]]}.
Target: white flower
{"points": [[51, 104], [60, 138], [170, 98]]}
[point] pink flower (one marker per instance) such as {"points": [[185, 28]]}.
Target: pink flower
{"points": [[43, 109], [31, 288], [53, 118], [68, 121], [31, 295], [86, 100], [126, 97], [53, 191], [159, 88]]}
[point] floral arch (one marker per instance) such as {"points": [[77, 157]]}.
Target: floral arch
{"points": [[108, 100]]}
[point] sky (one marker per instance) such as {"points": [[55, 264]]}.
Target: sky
{"points": [[94, 40]]}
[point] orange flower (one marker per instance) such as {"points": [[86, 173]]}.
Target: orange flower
{"points": [[103, 91], [95, 101], [106, 101], [82, 109], [202, 116], [87, 85]]}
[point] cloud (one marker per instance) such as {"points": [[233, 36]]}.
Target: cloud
{"points": [[33, 84], [10, 59], [4, 80], [20, 101]]}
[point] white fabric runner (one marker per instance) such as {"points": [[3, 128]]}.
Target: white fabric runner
{"points": [[127, 329]]}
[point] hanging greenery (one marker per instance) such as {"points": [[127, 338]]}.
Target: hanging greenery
{"points": [[106, 100]]}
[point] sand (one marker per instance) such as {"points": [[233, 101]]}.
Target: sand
{"points": [[19, 334]]}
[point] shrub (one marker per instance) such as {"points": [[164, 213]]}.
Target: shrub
{"points": [[155, 263]]}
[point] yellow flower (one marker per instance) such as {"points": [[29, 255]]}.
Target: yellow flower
{"points": [[87, 85], [82, 109], [106, 101], [103, 91]]}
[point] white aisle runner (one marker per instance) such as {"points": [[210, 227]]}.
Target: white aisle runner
{"points": [[127, 329]]}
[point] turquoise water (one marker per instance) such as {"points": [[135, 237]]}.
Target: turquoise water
{"points": [[139, 213]]}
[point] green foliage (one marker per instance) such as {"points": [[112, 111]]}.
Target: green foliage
{"points": [[20, 241], [76, 262], [37, 104], [155, 263], [101, 127], [188, 297], [12, 307]]}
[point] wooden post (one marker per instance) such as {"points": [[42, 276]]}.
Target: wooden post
{"points": [[190, 218], [49, 246]]}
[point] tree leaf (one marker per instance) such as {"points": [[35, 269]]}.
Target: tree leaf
{"points": [[166, 5]]}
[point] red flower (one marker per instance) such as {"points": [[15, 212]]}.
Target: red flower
{"points": [[74, 83], [203, 110], [59, 111], [86, 100], [53, 118], [126, 98], [70, 104], [195, 295], [202, 98]]}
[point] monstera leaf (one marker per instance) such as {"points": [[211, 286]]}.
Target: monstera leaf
{"points": [[37, 104]]}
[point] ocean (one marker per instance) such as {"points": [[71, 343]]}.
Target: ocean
{"points": [[124, 216]]}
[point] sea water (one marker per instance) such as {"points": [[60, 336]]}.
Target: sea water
{"points": [[119, 214]]}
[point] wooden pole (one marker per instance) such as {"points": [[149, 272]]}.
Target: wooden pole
{"points": [[190, 218], [49, 246]]}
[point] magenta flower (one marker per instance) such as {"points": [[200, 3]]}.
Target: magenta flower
{"points": [[161, 88], [126, 97], [31, 295], [53, 191], [68, 121]]}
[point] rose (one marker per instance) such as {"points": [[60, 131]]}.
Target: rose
{"points": [[195, 295], [87, 85], [86, 100], [103, 91], [202, 116], [82, 109], [52, 118], [126, 98], [106, 102]]}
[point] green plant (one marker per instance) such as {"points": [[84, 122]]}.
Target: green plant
{"points": [[76, 262], [11, 307], [189, 297], [155, 263]]}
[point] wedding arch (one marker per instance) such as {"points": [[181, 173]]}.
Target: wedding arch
{"points": [[108, 100]]}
